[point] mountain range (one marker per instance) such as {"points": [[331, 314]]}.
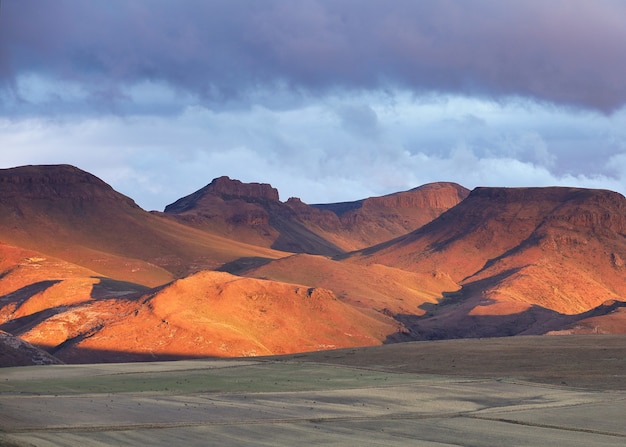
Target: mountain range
{"points": [[86, 275]]}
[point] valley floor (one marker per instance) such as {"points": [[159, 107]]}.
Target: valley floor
{"points": [[404, 394]]}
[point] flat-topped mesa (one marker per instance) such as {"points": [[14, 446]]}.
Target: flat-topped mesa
{"points": [[54, 183], [578, 207], [236, 189], [48, 177], [227, 189]]}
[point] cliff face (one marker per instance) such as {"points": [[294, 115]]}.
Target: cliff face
{"points": [[226, 189], [236, 189]]}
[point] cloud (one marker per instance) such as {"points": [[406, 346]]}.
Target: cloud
{"points": [[224, 52], [328, 100], [312, 153]]}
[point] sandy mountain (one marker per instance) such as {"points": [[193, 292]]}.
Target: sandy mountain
{"points": [[252, 212], [70, 214], [78, 315], [377, 290], [525, 257]]}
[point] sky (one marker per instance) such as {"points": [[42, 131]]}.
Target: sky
{"points": [[326, 100]]}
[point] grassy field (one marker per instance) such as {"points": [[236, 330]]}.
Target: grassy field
{"points": [[388, 396]]}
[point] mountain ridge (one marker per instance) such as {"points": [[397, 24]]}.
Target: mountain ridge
{"points": [[79, 261], [256, 214]]}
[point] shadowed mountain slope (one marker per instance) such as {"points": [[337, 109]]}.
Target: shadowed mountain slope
{"points": [[70, 214], [16, 352], [252, 212], [515, 251]]}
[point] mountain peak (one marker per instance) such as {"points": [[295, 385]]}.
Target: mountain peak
{"points": [[45, 175], [235, 188], [54, 183], [228, 189]]}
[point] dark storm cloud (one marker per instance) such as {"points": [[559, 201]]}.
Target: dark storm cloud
{"points": [[567, 52]]}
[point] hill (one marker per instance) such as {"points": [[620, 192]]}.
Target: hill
{"points": [[208, 314]]}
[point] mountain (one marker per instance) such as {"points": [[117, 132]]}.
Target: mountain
{"points": [[524, 258], [88, 275], [65, 212], [252, 212]]}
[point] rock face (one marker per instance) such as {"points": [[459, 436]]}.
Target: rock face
{"points": [[43, 181], [227, 189], [433, 196], [53, 187]]}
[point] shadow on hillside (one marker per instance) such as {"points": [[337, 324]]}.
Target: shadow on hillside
{"points": [[294, 237], [443, 322], [113, 288], [18, 326], [73, 355], [19, 296], [242, 265], [6, 272]]}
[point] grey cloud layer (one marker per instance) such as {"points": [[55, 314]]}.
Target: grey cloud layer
{"points": [[567, 52]]}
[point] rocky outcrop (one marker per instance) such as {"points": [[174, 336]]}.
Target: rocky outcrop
{"points": [[235, 189], [226, 189], [432, 196]]}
